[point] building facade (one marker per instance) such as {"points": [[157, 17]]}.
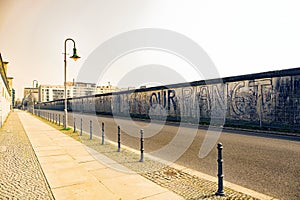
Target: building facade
{"points": [[105, 89], [83, 89], [5, 92], [53, 92], [31, 93], [74, 89], [12, 90]]}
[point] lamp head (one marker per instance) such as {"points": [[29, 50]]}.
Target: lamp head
{"points": [[75, 56]]}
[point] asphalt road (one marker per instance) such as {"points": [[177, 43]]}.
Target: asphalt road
{"points": [[265, 163]]}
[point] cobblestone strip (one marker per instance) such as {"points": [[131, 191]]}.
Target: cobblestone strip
{"points": [[21, 176], [189, 186]]}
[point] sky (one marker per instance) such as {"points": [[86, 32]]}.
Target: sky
{"points": [[240, 37]]}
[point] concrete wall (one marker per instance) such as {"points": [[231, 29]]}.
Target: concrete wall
{"points": [[264, 100], [270, 99]]}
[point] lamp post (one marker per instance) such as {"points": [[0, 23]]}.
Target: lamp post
{"points": [[32, 93], [36, 85], [32, 99], [74, 57]]}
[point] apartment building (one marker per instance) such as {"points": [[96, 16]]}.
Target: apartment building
{"points": [[54, 92], [74, 89]]}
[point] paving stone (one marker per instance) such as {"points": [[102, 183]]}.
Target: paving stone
{"points": [[20, 172]]}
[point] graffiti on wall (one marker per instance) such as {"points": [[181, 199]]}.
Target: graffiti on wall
{"points": [[257, 101], [270, 99]]}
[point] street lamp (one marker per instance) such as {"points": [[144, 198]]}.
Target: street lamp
{"points": [[74, 57], [32, 93], [36, 85]]}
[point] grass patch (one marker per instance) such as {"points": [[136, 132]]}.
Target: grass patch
{"points": [[66, 129]]}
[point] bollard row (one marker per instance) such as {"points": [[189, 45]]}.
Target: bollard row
{"points": [[51, 117], [55, 118]]}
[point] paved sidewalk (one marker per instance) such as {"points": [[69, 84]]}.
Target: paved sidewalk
{"points": [[37, 161], [73, 171]]}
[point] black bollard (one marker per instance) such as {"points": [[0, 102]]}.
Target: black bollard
{"points": [[91, 129], [55, 118], [142, 146], [102, 133], [119, 139], [81, 127], [63, 121], [220, 191], [74, 125], [59, 120]]}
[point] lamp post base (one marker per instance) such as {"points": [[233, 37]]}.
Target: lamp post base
{"points": [[66, 119]]}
